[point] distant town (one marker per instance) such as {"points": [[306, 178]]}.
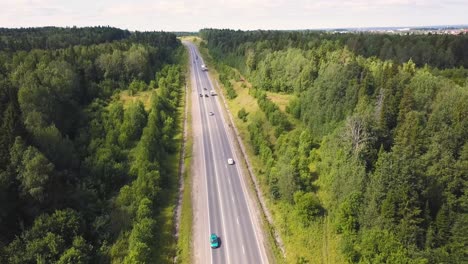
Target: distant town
{"points": [[449, 30]]}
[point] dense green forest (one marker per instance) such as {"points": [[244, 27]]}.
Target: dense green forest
{"points": [[57, 38], [443, 51], [374, 143], [83, 176]]}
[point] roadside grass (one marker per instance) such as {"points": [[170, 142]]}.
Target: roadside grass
{"points": [[246, 101], [317, 243], [184, 242], [166, 246], [281, 100], [144, 97]]}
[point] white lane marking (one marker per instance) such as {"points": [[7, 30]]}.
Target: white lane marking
{"points": [[245, 190], [217, 128], [217, 185], [204, 165], [237, 218], [220, 198], [243, 249]]}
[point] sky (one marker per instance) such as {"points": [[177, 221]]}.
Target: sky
{"points": [[192, 15]]}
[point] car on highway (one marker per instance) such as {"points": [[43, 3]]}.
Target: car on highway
{"points": [[211, 113], [214, 241], [230, 161], [206, 95], [204, 88], [201, 95]]}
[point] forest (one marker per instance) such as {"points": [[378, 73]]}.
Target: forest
{"points": [[443, 51], [373, 144], [83, 175]]}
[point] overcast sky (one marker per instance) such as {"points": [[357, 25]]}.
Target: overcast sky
{"points": [[192, 15]]}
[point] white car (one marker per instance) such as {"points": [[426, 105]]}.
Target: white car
{"points": [[211, 113], [230, 161]]}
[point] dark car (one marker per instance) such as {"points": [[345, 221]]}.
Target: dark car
{"points": [[201, 95], [206, 95]]}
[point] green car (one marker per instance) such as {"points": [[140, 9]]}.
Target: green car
{"points": [[214, 241]]}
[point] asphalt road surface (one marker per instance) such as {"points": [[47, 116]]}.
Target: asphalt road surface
{"points": [[222, 202]]}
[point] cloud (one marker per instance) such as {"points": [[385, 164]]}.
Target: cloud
{"points": [[367, 4], [148, 8], [238, 14], [33, 8]]}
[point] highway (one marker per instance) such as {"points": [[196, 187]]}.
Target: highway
{"points": [[222, 202]]}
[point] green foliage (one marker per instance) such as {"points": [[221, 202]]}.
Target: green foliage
{"points": [[145, 209], [242, 114], [442, 51], [285, 71], [60, 150], [52, 238], [132, 64], [272, 111], [66, 142], [379, 246], [347, 219], [307, 206], [46, 95], [57, 38], [137, 86], [226, 73], [78, 253], [33, 173], [133, 123], [294, 108], [258, 138], [458, 75], [11, 125], [141, 241], [333, 96], [390, 169]]}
